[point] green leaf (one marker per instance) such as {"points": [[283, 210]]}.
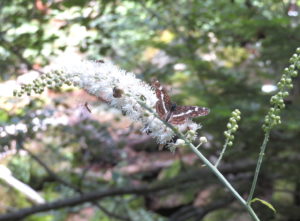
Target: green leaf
{"points": [[3, 116], [265, 203], [171, 171]]}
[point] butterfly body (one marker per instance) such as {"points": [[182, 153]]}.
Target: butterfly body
{"points": [[171, 112]]}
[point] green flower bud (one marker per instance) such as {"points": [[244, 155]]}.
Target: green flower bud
{"points": [[230, 143], [288, 80], [232, 120], [294, 73], [285, 94], [286, 71], [227, 135]]}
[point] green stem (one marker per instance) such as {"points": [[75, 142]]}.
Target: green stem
{"points": [[222, 179], [222, 153], [208, 164], [258, 165]]}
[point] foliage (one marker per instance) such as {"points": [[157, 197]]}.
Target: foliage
{"points": [[216, 54]]}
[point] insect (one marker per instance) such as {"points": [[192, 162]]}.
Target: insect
{"points": [[117, 92], [171, 112], [99, 61], [87, 107]]}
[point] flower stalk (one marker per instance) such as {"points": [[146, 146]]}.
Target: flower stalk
{"points": [[232, 127], [207, 163], [273, 116]]}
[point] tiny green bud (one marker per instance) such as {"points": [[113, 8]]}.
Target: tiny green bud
{"points": [[288, 80], [231, 137], [298, 50], [294, 73], [282, 105], [229, 125], [238, 111], [232, 120], [226, 134], [203, 140], [283, 80], [286, 71], [230, 143], [285, 94], [292, 67]]}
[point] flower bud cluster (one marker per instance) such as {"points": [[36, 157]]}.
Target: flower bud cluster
{"points": [[232, 126], [55, 80], [285, 84]]}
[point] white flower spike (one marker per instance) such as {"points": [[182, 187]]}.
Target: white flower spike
{"points": [[122, 90]]}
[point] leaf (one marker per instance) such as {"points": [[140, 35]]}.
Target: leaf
{"points": [[265, 203], [171, 171], [3, 116]]}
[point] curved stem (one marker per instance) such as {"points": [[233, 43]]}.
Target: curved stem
{"points": [[208, 164], [223, 180], [258, 165]]}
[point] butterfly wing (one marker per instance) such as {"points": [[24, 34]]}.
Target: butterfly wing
{"points": [[182, 113], [163, 105]]}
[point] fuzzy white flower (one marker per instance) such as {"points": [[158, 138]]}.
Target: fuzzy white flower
{"points": [[123, 91]]}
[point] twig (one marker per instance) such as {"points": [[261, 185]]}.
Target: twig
{"points": [[77, 189], [222, 153], [86, 197]]}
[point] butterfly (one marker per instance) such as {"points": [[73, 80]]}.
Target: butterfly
{"points": [[171, 112]]}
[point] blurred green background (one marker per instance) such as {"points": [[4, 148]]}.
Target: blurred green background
{"points": [[223, 54]]}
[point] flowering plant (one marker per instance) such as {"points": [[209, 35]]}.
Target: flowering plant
{"points": [[138, 100], [121, 89]]}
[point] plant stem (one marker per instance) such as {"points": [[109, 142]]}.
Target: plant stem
{"points": [[258, 165], [208, 164], [222, 153], [223, 180]]}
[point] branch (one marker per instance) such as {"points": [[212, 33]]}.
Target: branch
{"points": [[70, 185], [189, 176], [87, 197]]}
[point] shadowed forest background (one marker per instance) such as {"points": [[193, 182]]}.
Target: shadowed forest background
{"points": [[223, 55]]}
